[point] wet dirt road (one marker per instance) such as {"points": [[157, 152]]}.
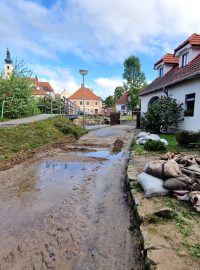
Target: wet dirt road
{"points": [[67, 210]]}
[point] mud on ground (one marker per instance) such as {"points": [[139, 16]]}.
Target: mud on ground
{"points": [[66, 209]]}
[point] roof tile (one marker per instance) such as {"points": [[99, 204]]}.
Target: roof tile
{"points": [[174, 76], [84, 93]]}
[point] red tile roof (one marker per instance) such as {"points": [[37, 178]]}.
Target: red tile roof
{"points": [[46, 86], [43, 85], [123, 99], [174, 76], [39, 92], [84, 93], [194, 40], [167, 59]]}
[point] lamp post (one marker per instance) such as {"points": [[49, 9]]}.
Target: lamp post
{"points": [[83, 72]]}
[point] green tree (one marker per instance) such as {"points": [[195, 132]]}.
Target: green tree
{"points": [[16, 92], [110, 101], [119, 90], [134, 80], [161, 114]]}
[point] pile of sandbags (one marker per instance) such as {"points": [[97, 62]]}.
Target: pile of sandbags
{"points": [[143, 137], [175, 173]]}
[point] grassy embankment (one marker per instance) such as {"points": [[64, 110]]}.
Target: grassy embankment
{"points": [[24, 138]]}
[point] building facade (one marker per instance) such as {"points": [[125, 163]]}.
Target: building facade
{"points": [[179, 78], [87, 100]]}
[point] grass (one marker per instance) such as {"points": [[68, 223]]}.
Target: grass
{"points": [[128, 117], [28, 137], [184, 218]]}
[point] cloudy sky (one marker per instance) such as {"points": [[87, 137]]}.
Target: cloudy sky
{"points": [[56, 38]]}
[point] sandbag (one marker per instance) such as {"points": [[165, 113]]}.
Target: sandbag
{"points": [[153, 137], [182, 195], [186, 160], [141, 134], [195, 199], [163, 169], [192, 171], [152, 186], [164, 141], [141, 140], [182, 182], [197, 158]]}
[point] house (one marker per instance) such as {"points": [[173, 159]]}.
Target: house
{"points": [[65, 93], [92, 102], [178, 77], [42, 88], [122, 104]]}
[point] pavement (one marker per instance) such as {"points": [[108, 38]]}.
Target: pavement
{"points": [[26, 120]]}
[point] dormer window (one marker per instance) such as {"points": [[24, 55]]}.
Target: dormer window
{"points": [[161, 72], [185, 59]]}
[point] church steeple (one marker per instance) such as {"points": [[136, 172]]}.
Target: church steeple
{"points": [[8, 59], [8, 66]]}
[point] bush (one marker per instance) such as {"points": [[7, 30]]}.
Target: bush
{"points": [[163, 113], [154, 146], [187, 138]]}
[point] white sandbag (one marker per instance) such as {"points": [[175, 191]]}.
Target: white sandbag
{"points": [[153, 137], [141, 141], [152, 186], [142, 134], [164, 141]]}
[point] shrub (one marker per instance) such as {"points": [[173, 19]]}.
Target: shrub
{"points": [[163, 113], [154, 146], [185, 137]]}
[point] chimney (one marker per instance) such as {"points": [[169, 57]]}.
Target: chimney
{"points": [[82, 85], [36, 78]]}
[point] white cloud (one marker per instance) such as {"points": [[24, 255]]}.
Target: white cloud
{"points": [[105, 86], [59, 78], [105, 31]]}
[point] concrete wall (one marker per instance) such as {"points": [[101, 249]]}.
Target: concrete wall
{"points": [[178, 92]]}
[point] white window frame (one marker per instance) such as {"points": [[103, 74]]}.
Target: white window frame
{"points": [[185, 59]]}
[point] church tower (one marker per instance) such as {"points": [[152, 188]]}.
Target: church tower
{"points": [[8, 66]]}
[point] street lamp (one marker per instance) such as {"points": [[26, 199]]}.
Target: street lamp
{"points": [[83, 72]]}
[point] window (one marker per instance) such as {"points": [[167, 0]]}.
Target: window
{"points": [[122, 107], [189, 105], [88, 103], [81, 102], [8, 67], [161, 72], [74, 102], [185, 59], [96, 103]]}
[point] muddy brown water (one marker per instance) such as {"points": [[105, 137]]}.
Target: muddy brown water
{"points": [[69, 210]]}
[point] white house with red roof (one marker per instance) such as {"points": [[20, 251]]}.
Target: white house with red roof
{"points": [[122, 104], [86, 99], [42, 88], [179, 77]]}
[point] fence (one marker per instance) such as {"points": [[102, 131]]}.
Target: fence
{"points": [[46, 105]]}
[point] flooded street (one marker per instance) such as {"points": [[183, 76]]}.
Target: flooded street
{"points": [[68, 210]]}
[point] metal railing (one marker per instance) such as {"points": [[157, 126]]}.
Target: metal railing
{"points": [[48, 105]]}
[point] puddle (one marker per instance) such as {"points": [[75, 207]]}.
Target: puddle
{"points": [[103, 154]]}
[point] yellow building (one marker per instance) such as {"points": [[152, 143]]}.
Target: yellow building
{"points": [[92, 103], [65, 93], [8, 66]]}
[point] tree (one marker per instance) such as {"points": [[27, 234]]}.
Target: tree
{"points": [[119, 90], [134, 80], [162, 114], [16, 92], [110, 101]]}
